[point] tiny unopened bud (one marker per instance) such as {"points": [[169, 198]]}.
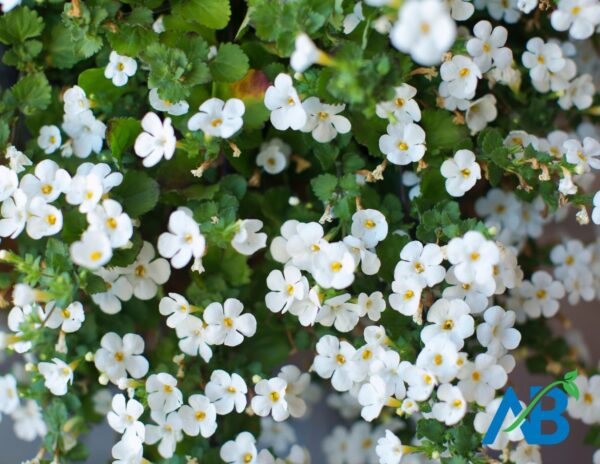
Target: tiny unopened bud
{"points": [[256, 379], [294, 201], [30, 367], [89, 356], [493, 230], [435, 455], [103, 379]]}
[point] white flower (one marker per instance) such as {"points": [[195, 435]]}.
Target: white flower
{"points": [[274, 156], [86, 131], [305, 54], [16, 159], [172, 108], [307, 309], [389, 449], [200, 417], [49, 139], [8, 5], [334, 360], [118, 289], [176, 307], [303, 244], [146, 273], [57, 374], [481, 112], [370, 226], [110, 219], [525, 453], [75, 101], [9, 396], [580, 93], [403, 107], [352, 20], [283, 102], [461, 75], [183, 241], [473, 257], [118, 357], [168, 432], [226, 392], [92, 251], [480, 379], [584, 156], [128, 450], [474, 294], [580, 17], [541, 295], [242, 450], [124, 417], [226, 323], [48, 181], [119, 68], [373, 396], [483, 419], [29, 422], [542, 59], [452, 407], [406, 296], [420, 382], [163, 394], [497, 333], [14, 214], [69, 319], [340, 313], [372, 305], [270, 399], [587, 407], [569, 258], [368, 260], [286, 287], [527, 6], [323, 120], [217, 118], [403, 143], [193, 340], [44, 219], [461, 172], [297, 384], [506, 10], [595, 212], [424, 30], [439, 356], [333, 266], [422, 263], [157, 141], [247, 239], [450, 318], [487, 47]]}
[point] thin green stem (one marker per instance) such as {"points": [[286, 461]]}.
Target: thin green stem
{"points": [[521, 417]]}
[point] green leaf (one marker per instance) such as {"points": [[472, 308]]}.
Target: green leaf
{"points": [[122, 133], [571, 389], [123, 257], [213, 14], [94, 284], [230, 64], [20, 24], [323, 186], [32, 93], [138, 193], [442, 132], [431, 429], [571, 375]]}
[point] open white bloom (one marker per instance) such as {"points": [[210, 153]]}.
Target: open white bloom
{"points": [[128, 450], [480, 379], [371, 305], [307, 309], [473, 257], [49, 139], [217, 118], [163, 394], [389, 449], [584, 156], [270, 399], [301, 243], [85, 190], [452, 407], [352, 20], [57, 374], [69, 319], [200, 417], [146, 273], [48, 181], [17, 160], [124, 417], [156, 141], [176, 307], [406, 296], [28, 421], [368, 260], [481, 112], [193, 339], [542, 59], [9, 399], [75, 100], [118, 289], [323, 120], [333, 266], [305, 54], [580, 17], [9, 182], [172, 108], [373, 396], [440, 356], [370, 226], [403, 144], [420, 262], [461, 74], [110, 219], [334, 360], [449, 318], [579, 93], [14, 214], [339, 312], [297, 384], [424, 30], [274, 156], [497, 333], [86, 131], [44, 219], [461, 172], [460, 10], [183, 241], [483, 419], [93, 250], [119, 357], [420, 381], [282, 100], [226, 323], [248, 240], [286, 287], [243, 450], [541, 295], [120, 68], [168, 432], [487, 47], [226, 392], [587, 407], [403, 107], [475, 295]]}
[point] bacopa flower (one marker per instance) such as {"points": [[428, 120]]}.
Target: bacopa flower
{"points": [[282, 100], [146, 273], [217, 118], [183, 241], [370, 226], [403, 144], [487, 47], [156, 142], [248, 240], [120, 68], [49, 139], [173, 108], [270, 399], [226, 392], [324, 121], [273, 156], [226, 323], [461, 74], [199, 416], [118, 356], [93, 250], [461, 172], [580, 17], [163, 394], [57, 375], [68, 319]]}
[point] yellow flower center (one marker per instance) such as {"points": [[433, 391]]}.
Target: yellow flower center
{"points": [[367, 354], [448, 324], [291, 102], [476, 376], [427, 379], [52, 139], [588, 398], [541, 59], [119, 356], [569, 261], [51, 219], [475, 256], [336, 266], [112, 223], [540, 294], [46, 189], [216, 122], [66, 313], [168, 388], [399, 102], [457, 403], [369, 224], [486, 47], [290, 289], [323, 115], [200, 415], [248, 457], [95, 255], [274, 396], [466, 172], [140, 271], [575, 10], [464, 72], [402, 146], [340, 359], [231, 389], [425, 27], [228, 322], [438, 359], [409, 294], [120, 66], [315, 247]]}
